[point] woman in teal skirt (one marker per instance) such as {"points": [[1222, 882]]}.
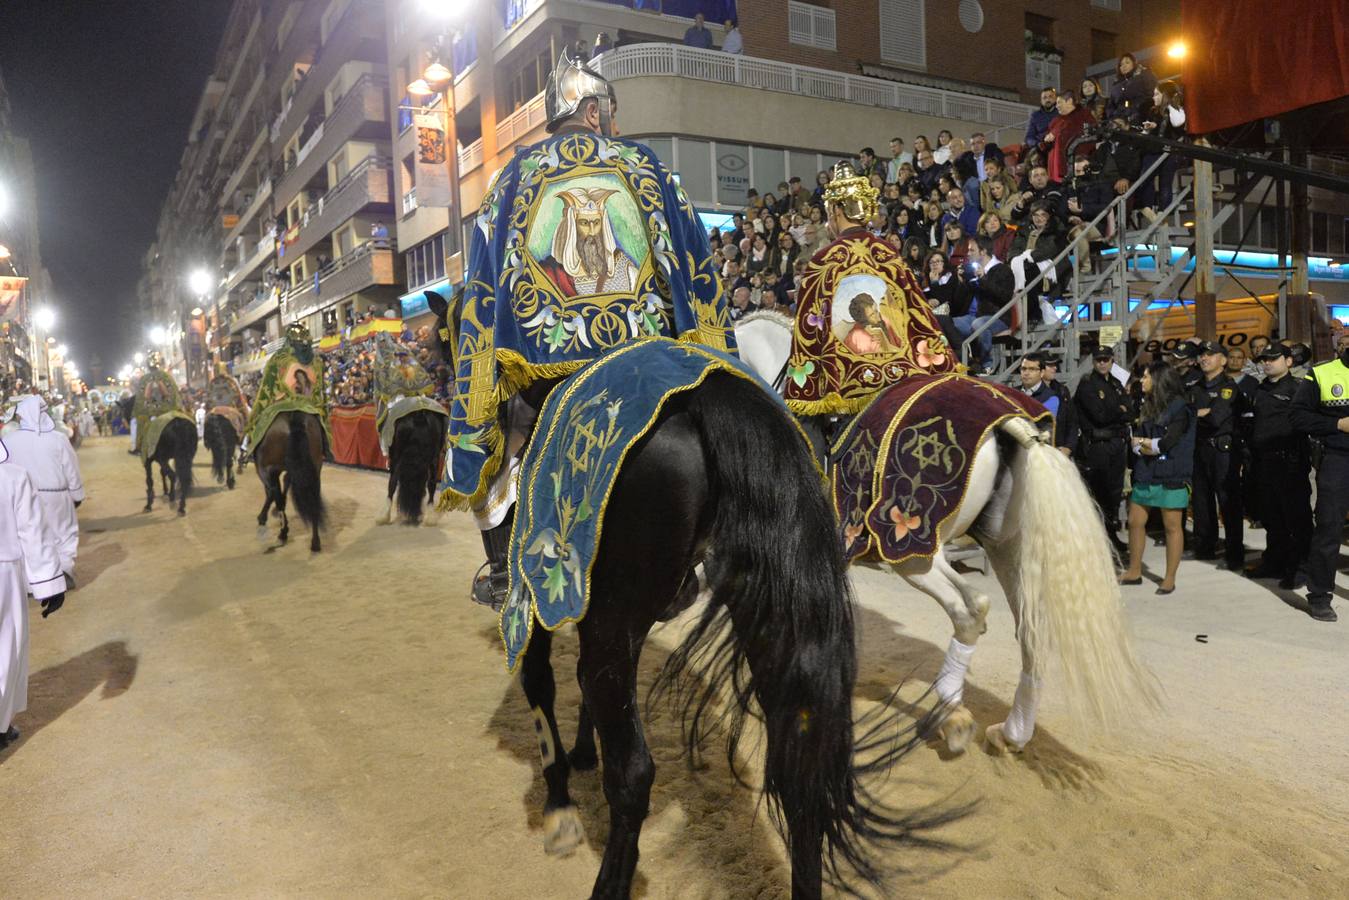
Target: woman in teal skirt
{"points": [[1163, 453]]}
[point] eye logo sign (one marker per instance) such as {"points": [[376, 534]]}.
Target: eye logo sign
{"points": [[731, 162]]}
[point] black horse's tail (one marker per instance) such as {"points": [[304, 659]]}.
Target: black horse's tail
{"points": [[419, 439], [221, 440], [779, 631], [184, 451], [303, 473]]}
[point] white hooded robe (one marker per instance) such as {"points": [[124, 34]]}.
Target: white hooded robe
{"points": [[28, 564], [39, 447]]}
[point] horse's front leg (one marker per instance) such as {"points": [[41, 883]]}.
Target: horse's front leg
{"points": [[561, 824], [166, 474], [149, 486], [387, 518], [282, 488]]}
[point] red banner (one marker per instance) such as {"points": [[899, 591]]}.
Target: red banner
{"points": [[1249, 60], [355, 440], [11, 293]]}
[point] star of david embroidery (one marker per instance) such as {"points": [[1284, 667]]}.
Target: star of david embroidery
{"points": [[927, 449], [583, 441]]}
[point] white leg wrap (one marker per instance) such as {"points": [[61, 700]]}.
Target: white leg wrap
{"points": [[500, 497], [950, 683], [1020, 724]]}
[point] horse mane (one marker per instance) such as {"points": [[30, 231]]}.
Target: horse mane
{"points": [[769, 315]]}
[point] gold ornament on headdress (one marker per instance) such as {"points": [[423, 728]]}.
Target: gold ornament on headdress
{"points": [[852, 194]]}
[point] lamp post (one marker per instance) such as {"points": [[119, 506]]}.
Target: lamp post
{"points": [[438, 79]]}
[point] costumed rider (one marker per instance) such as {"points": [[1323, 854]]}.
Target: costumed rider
{"points": [[402, 386], [225, 398], [292, 381], [156, 395], [583, 243], [29, 564], [39, 447], [862, 322]]}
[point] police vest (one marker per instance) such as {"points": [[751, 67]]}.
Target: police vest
{"points": [[1332, 378]]}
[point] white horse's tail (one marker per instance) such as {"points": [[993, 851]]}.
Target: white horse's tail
{"points": [[1069, 594]]}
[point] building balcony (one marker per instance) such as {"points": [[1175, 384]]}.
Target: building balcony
{"points": [[370, 264], [678, 61], [361, 113], [369, 184], [259, 200], [254, 312], [243, 167], [523, 122], [262, 253], [358, 36], [470, 157], [241, 115]]}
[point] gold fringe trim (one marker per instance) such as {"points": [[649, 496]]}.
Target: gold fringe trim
{"points": [[515, 373], [832, 403], [452, 499]]}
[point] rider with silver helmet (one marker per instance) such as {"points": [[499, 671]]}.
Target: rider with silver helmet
{"points": [[583, 242]]}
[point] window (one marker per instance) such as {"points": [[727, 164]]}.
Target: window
{"points": [[425, 263], [1103, 46], [903, 33], [1320, 232], [1112, 5], [811, 26]]}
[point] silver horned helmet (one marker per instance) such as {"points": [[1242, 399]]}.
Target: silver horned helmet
{"points": [[571, 83]]}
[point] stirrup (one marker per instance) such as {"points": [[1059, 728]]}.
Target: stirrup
{"points": [[490, 589]]}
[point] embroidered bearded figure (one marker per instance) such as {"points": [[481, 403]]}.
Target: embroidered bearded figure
{"points": [[586, 258]]}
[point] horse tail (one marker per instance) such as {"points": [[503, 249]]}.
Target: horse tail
{"points": [[218, 442], [303, 472], [184, 451], [418, 440], [1069, 596], [779, 631]]}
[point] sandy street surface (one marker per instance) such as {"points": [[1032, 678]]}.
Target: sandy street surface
{"points": [[211, 715]]}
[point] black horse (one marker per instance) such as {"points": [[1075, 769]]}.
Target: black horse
{"points": [[724, 467], [414, 463], [175, 450], [222, 441], [290, 458]]}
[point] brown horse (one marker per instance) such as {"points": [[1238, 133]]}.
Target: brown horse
{"points": [[293, 446]]}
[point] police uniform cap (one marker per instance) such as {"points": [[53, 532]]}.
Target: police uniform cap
{"points": [[1274, 351], [1103, 353], [1185, 350], [1210, 348]]}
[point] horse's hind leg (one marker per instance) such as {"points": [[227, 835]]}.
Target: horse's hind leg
{"points": [[608, 672], [387, 518], [1017, 729], [149, 486], [562, 826], [166, 473], [432, 516], [282, 482], [943, 584], [229, 466]]}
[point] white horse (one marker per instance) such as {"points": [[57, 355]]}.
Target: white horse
{"points": [[1028, 509]]}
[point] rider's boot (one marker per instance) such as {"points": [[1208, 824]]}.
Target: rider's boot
{"points": [[490, 588]]}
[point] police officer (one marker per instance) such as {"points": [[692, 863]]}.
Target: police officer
{"points": [[1321, 409], [1280, 452], [1103, 415], [1217, 464]]}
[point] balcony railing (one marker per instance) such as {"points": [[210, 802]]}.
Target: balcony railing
{"points": [[410, 201], [369, 264], [521, 122], [260, 308], [470, 157], [261, 253], [264, 191], [356, 26], [673, 60], [364, 106], [365, 185]]}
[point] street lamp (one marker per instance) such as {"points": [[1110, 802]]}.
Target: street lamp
{"points": [[158, 335], [200, 282], [1177, 49], [138, 358], [438, 79], [44, 318]]}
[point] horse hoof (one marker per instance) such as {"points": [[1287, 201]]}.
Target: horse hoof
{"points": [[230, 485], [182, 512], [263, 533], [562, 831], [583, 759], [957, 729], [431, 520], [384, 520], [147, 508], [998, 742]]}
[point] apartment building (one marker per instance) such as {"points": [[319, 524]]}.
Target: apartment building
{"points": [[284, 193], [23, 346]]}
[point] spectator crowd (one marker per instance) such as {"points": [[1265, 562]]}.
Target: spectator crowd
{"points": [[1032, 201]]}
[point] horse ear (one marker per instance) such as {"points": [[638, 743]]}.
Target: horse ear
{"points": [[437, 304]]}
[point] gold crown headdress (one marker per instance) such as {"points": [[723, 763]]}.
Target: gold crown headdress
{"points": [[852, 194]]}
